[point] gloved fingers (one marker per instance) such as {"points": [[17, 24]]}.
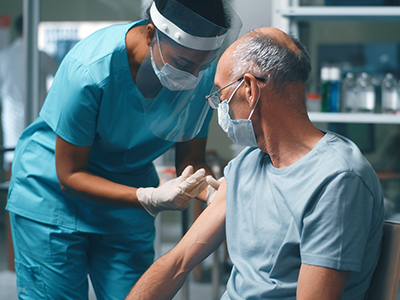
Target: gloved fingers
{"points": [[213, 182], [172, 183], [186, 194], [186, 191], [187, 172], [197, 176], [195, 181], [213, 188], [195, 191]]}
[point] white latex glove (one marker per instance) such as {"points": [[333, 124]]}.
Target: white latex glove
{"points": [[175, 194], [212, 188]]}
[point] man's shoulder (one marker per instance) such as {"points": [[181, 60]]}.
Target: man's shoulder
{"points": [[248, 153], [245, 160], [343, 153]]}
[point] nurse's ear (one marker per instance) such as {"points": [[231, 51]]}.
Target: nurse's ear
{"points": [[150, 32]]}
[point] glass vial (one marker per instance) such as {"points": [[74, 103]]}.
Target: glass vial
{"points": [[390, 100], [325, 93], [349, 94], [334, 86], [365, 93]]}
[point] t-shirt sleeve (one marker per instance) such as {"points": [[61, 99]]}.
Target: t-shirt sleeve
{"points": [[73, 103], [337, 224]]}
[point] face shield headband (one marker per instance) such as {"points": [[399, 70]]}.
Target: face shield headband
{"points": [[183, 38]]}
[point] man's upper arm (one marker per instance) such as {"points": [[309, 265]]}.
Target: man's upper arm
{"points": [[208, 232], [164, 278], [337, 225], [321, 283]]}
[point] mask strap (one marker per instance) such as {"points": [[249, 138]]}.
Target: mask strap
{"points": [[259, 94], [234, 91], [159, 48]]}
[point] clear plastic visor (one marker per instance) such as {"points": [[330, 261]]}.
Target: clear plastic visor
{"points": [[175, 75]]}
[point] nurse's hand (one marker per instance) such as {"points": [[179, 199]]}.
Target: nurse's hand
{"points": [[213, 187], [175, 194]]}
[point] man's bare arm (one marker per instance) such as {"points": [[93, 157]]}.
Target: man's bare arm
{"points": [[167, 275], [321, 283]]}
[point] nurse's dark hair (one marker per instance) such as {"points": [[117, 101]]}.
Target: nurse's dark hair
{"points": [[265, 57], [211, 10]]}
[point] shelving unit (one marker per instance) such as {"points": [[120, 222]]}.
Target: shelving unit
{"points": [[290, 14], [341, 13], [354, 118]]}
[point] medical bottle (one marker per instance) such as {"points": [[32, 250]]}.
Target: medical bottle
{"points": [[390, 100], [325, 92], [365, 93], [334, 87], [349, 95]]}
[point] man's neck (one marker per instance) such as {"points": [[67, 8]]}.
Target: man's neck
{"points": [[287, 145]]}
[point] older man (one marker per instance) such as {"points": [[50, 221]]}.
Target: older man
{"points": [[301, 209]]}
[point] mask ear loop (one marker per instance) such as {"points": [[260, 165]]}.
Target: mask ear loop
{"points": [[259, 95], [234, 91], [159, 47]]}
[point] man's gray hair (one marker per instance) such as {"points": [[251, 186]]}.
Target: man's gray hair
{"points": [[263, 57]]}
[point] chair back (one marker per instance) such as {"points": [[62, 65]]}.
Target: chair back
{"points": [[385, 280]]}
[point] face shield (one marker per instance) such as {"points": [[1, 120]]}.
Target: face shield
{"points": [[178, 70]]}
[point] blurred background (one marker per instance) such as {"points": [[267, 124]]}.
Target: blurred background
{"points": [[359, 39]]}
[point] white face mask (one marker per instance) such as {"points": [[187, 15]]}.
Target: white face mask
{"points": [[240, 131], [173, 78]]}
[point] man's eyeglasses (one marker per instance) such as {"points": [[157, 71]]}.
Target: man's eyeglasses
{"points": [[214, 99]]}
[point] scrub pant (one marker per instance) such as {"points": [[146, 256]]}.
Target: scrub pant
{"points": [[52, 262]]}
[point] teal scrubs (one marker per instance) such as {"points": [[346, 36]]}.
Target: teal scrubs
{"points": [[93, 101]]}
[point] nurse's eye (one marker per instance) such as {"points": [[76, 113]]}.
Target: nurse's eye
{"points": [[180, 65], [184, 66]]}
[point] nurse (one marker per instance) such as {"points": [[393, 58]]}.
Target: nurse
{"points": [[84, 192]]}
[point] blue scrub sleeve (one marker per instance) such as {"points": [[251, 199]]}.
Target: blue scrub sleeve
{"points": [[336, 226], [75, 118]]}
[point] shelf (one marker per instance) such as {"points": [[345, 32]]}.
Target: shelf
{"points": [[354, 118], [350, 13]]}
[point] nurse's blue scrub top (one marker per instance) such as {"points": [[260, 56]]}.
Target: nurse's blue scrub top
{"points": [[93, 101]]}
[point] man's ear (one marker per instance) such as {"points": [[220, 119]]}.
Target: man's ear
{"points": [[252, 89], [150, 32]]}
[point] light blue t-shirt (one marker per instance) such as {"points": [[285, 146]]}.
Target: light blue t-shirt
{"points": [[325, 210], [94, 101]]}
